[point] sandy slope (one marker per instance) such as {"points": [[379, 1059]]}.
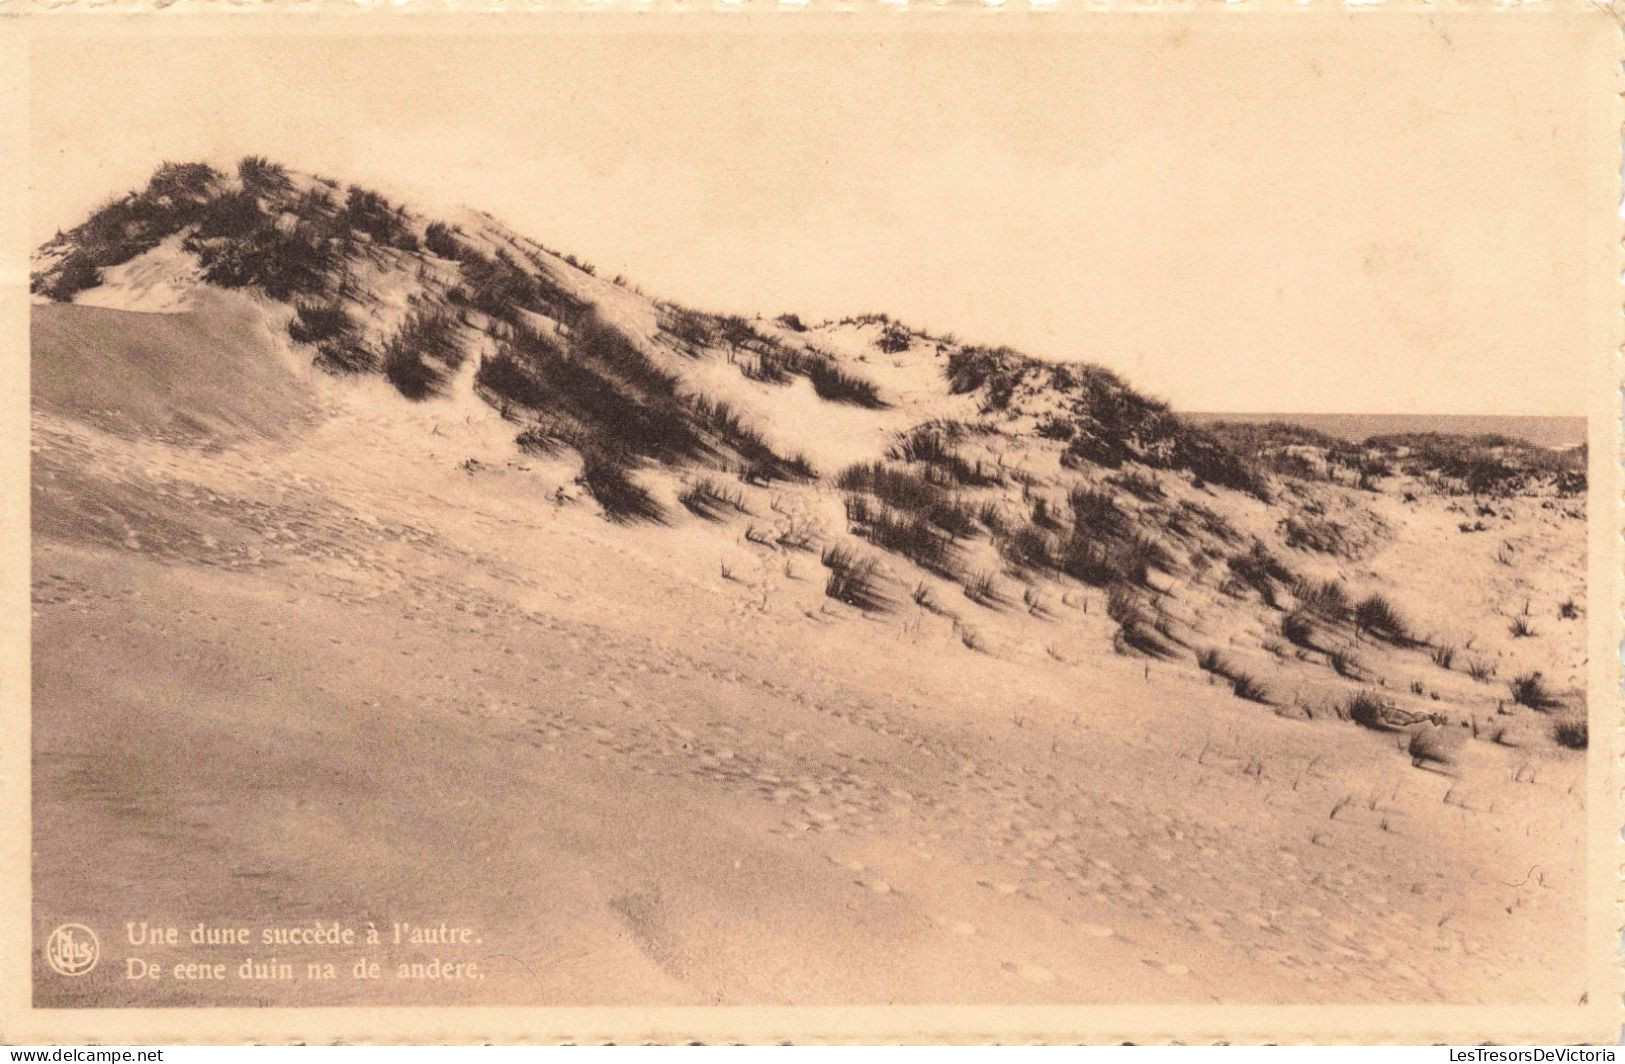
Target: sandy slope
{"points": [[327, 669]]}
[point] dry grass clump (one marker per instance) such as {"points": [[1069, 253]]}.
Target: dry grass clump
{"points": [[910, 535], [1028, 547], [1299, 629], [500, 287], [835, 384], [1210, 660], [1245, 687], [911, 493], [1345, 663], [606, 476], [1481, 670], [540, 439], [314, 322], [1258, 569], [708, 499], [1135, 630], [612, 391], [439, 239], [1529, 689], [1443, 655], [367, 212], [230, 214], [1095, 512], [1137, 484], [1377, 616], [1521, 628], [1312, 533], [1367, 709], [766, 360], [933, 445], [894, 338], [852, 579], [425, 334], [262, 176], [982, 589], [1329, 598]]}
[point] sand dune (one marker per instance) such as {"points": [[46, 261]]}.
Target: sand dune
{"points": [[306, 648]]}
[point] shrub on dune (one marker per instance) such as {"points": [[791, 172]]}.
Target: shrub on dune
{"points": [[1572, 732]]}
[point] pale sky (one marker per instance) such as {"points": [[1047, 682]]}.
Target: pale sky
{"points": [[1377, 221]]}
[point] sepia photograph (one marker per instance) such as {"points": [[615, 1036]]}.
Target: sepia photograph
{"points": [[1072, 526]]}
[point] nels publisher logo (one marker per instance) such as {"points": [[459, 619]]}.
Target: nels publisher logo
{"points": [[72, 949]]}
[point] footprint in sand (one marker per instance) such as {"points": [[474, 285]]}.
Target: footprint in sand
{"points": [[1032, 973]]}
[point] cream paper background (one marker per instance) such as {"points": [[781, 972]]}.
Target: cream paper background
{"points": [[1538, 213]]}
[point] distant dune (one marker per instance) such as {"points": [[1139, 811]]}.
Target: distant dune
{"points": [[1556, 432]]}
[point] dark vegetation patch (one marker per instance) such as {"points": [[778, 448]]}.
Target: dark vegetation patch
{"points": [[894, 339], [711, 500], [852, 579], [1573, 733], [424, 336], [1106, 422], [1259, 570], [129, 225], [315, 322], [1211, 660], [1367, 709], [935, 445], [1136, 629], [77, 272], [912, 494], [765, 359], [1299, 629], [1306, 531], [693, 330], [1529, 689], [910, 535], [262, 177], [230, 215], [776, 365], [1327, 598], [1377, 616], [1248, 688], [499, 287], [440, 239], [614, 404], [606, 473], [1485, 464]]}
